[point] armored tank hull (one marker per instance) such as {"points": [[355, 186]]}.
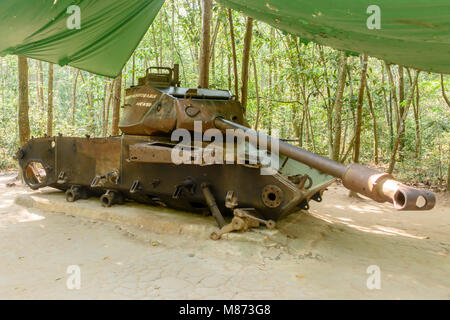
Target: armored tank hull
{"points": [[142, 164], [140, 168]]}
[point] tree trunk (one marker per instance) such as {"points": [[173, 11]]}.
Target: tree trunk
{"points": [[338, 106], [123, 77], [24, 122], [245, 61], [255, 73], [374, 124], [88, 96], [74, 99], [40, 86], [393, 94], [214, 38], [359, 107], [2, 86], [50, 101], [444, 95], [229, 74], [401, 103], [155, 44], [205, 50], [172, 32], [402, 124], [103, 111], [387, 107], [301, 130], [233, 51], [213, 64], [329, 105], [160, 46], [133, 71], [401, 89], [272, 36], [416, 107], [174, 47], [308, 119], [108, 105], [448, 173], [116, 105]]}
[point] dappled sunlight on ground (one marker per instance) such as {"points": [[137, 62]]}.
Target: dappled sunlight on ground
{"points": [[365, 209], [9, 212], [345, 219], [367, 216], [18, 215], [394, 231], [375, 229]]}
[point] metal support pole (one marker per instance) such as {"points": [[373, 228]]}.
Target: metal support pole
{"points": [[212, 205]]}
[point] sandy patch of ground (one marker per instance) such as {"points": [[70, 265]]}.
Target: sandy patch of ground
{"points": [[323, 254]]}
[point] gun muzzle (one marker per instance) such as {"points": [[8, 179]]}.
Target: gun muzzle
{"points": [[381, 187]]}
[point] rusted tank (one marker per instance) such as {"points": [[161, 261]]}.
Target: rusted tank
{"points": [[139, 164]]}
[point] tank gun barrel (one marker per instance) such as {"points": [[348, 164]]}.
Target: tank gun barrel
{"points": [[378, 186]]}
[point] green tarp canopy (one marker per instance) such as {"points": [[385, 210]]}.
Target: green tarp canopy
{"points": [[110, 30], [414, 33]]}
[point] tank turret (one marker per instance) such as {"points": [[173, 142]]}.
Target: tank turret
{"points": [[158, 105]]}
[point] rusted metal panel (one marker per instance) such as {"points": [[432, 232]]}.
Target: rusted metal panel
{"points": [[151, 152]]}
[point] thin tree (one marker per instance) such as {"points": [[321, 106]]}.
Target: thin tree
{"points": [[133, 72], [401, 95], [161, 48], [444, 95], [103, 110], [74, 98], [245, 61], [393, 94], [205, 50], [108, 106], [40, 85], [374, 124], [233, 52], [258, 103], [50, 101], [23, 120], [402, 124], [416, 110], [172, 32], [2, 88], [338, 106], [116, 105], [214, 37], [359, 107]]}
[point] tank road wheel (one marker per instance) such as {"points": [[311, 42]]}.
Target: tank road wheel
{"points": [[270, 224], [214, 236], [107, 199], [72, 195], [110, 198], [75, 193]]}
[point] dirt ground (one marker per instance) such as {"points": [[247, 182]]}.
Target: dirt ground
{"points": [[323, 254]]}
